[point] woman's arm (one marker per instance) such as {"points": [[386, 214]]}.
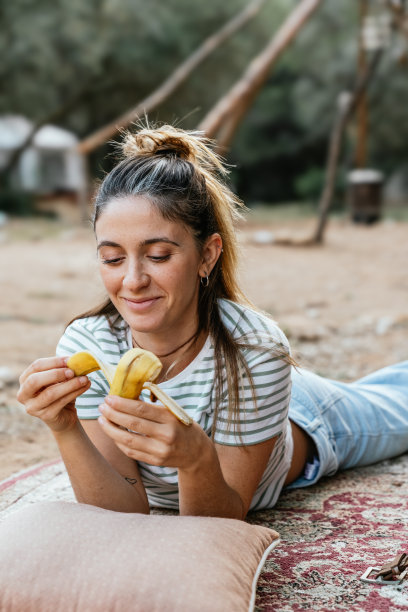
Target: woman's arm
{"points": [[214, 480], [100, 474], [49, 390], [224, 481]]}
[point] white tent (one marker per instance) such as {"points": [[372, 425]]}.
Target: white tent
{"points": [[50, 164]]}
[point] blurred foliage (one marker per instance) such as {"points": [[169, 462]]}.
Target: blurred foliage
{"points": [[111, 53], [115, 52], [309, 184]]}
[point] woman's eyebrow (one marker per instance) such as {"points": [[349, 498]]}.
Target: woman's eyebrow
{"points": [[107, 243], [161, 239]]}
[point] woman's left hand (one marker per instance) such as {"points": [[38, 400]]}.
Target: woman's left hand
{"points": [[151, 433]]}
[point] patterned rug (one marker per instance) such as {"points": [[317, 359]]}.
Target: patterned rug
{"points": [[330, 532]]}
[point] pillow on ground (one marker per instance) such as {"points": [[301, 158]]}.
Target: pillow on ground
{"points": [[66, 557]]}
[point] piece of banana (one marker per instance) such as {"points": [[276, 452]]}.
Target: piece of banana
{"points": [[83, 363], [137, 369]]}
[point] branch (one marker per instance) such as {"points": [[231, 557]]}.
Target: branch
{"points": [[173, 81], [244, 91]]}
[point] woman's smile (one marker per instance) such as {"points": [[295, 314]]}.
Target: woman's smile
{"points": [[140, 304]]}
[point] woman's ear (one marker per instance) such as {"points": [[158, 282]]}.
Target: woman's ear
{"points": [[211, 251]]}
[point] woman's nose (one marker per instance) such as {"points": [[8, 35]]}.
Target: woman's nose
{"points": [[135, 277]]}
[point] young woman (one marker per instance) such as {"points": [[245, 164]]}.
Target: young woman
{"points": [[167, 253]]}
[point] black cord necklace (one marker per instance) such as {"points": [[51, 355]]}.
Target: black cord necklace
{"points": [[174, 350]]}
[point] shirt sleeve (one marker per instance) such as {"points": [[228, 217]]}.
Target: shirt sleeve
{"points": [[264, 401], [78, 338]]}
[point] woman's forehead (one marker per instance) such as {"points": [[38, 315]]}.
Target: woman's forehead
{"points": [[137, 216], [129, 205]]}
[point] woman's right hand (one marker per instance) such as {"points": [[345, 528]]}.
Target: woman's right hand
{"points": [[48, 389]]}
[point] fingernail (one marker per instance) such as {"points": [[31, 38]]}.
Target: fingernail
{"points": [[83, 380], [102, 407], [108, 400], [69, 374], [102, 420]]}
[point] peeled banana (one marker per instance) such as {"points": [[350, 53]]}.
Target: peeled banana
{"points": [[136, 370]]}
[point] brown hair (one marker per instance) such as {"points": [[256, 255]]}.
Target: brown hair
{"points": [[179, 173]]}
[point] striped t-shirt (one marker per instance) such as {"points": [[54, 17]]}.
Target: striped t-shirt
{"points": [[193, 389]]}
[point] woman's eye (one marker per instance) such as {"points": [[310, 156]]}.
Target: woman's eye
{"points": [[159, 258], [112, 261]]}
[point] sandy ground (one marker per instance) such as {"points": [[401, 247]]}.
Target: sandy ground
{"points": [[344, 306]]}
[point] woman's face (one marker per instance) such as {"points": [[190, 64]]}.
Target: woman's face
{"points": [[150, 267]]}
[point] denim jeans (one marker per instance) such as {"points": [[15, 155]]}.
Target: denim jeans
{"points": [[352, 424]]}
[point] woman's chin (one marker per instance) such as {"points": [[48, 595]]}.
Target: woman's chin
{"points": [[144, 324]]}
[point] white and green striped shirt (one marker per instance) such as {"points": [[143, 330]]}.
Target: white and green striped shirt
{"points": [[193, 389]]}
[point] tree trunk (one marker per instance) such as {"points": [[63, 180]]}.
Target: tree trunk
{"points": [[360, 154], [244, 91], [345, 112], [170, 84], [226, 133]]}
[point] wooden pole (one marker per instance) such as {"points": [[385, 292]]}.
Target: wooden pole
{"points": [[244, 91], [170, 84], [360, 156], [345, 112], [227, 131]]}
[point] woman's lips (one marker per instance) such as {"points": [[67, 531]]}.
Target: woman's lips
{"points": [[140, 305]]}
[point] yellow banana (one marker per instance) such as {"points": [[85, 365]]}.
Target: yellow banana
{"points": [[133, 370], [85, 363], [137, 369]]}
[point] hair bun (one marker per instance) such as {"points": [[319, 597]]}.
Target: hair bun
{"points": [[164, 140], [192, 146]]}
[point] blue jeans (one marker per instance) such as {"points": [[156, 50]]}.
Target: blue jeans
{"points": [[352, 424]]}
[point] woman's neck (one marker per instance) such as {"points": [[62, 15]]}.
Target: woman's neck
{"points": [[173, 350], [175, 357]]}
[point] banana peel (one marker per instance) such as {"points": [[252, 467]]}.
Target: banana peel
{"points": [[136, 370]]}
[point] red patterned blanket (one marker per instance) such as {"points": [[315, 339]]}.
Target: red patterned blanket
{"points": [[330, 533]]}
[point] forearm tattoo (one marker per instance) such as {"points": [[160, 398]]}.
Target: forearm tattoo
{"points": [[132, 481]]}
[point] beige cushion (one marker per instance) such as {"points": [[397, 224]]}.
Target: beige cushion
{"points": [[63, 557]]}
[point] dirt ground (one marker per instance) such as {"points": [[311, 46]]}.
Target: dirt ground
{"points": [[344, 306]]}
